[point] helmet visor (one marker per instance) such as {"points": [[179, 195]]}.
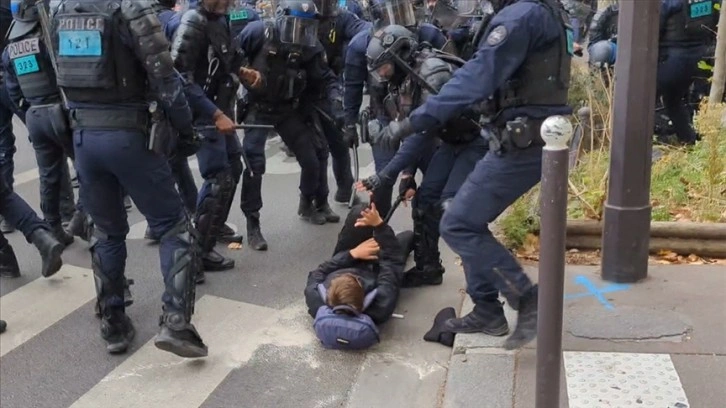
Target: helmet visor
{"points": [[298, 31], [398, 12]]}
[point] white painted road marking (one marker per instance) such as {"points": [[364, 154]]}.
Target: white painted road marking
{"points": [[32, 308]]}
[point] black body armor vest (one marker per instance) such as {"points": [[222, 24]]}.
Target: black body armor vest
{"points": [[33, 67]]}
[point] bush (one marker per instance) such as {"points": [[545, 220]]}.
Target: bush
{"points": [[687, 183]]}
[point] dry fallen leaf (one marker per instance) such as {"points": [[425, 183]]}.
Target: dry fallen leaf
{"points": [[234, 245]]}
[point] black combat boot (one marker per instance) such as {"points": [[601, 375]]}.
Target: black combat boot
{"points": [[306, 210], [323, 208], [117, 330], [8, 262], [61, 235], [213, 261], [254, 232], [50, 250], [178, 336], [81, 226], [342, 196], [487, 318], [227, 235], [526, 329], [428, 269]]}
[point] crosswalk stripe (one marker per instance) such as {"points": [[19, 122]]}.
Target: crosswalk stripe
{"points": [[34, 307], [151, 378]]}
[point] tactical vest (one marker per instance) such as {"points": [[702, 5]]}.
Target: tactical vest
{"points": [[221, 86], [692, 26], [238, 19], [32, 66], [93, 63], [543, 79], [332, 40], [282, 69]]}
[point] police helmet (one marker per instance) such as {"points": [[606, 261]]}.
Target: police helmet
{"points": [[393, 12], [329, 8], [452, 14], [297, 21], [389, 47], [24, 11], [602, 53]]}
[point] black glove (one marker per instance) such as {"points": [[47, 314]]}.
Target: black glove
{"points": [[187, 145], [350, 136], [394, 133], [407, 183]]}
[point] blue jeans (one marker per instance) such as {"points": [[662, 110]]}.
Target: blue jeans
{"points": [[495, 183]]}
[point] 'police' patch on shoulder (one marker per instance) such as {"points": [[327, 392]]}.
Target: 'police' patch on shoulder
{"points": [[497, 35]]}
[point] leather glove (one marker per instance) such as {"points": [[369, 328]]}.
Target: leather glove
{"points": [[372, 183], [350, 136], [394, 133], [407, 183]]}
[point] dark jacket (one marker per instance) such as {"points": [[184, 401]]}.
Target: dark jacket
{"points": [[385, 274]]}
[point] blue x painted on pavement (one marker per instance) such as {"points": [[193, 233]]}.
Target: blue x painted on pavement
{"points": [[598, 293]]}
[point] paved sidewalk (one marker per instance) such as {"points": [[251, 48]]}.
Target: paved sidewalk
{"points": [[659, 343]]}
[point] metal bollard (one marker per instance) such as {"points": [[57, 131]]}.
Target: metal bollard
{"points": [[556, 133]]}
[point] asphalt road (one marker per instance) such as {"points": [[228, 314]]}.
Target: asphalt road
{"points": [[263, 352]]}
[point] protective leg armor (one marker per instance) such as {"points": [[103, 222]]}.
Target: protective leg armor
{"points": [[116, 327], [428, 269]]}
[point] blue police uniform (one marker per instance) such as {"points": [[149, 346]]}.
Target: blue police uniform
{"points": [[19, 214], [524, 65], [288, 73], [7, 109], [354, 7], [449, 166], [240, 16], [684, 36], [211, 87], [354, 79], [29, 76], [334, 34], [109, 115]]}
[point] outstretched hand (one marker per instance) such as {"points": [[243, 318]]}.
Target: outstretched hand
{"points": [[369, 217]]}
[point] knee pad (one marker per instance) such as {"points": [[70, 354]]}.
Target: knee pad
{"points": [[237, 168]]}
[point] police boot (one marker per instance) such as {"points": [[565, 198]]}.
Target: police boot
{"points": [[342, 196], [117, 330], [80, 226], [428, 269], [61, 234], [50, 250], [180, 337], [526, 329], [254, 232], [226, 234], [9, 267], [5, 227], [487, 318], [307, 211], [323, 208]]}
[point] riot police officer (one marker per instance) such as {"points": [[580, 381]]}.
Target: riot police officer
{"points": [[416, 73], [581, 13], [285, 59], [462, 22], [212, 87], [602, 46], [337, 27], [123, 49], [29, 75], [19, 214], [685, 29], [355, 77], [522, 71]]}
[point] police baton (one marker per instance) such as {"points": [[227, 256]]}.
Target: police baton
{"points": [[237, 127], [395, 205]]}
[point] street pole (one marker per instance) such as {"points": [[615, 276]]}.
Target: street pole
{"points": [[719, 65], [626, 229], [556, 132]]}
